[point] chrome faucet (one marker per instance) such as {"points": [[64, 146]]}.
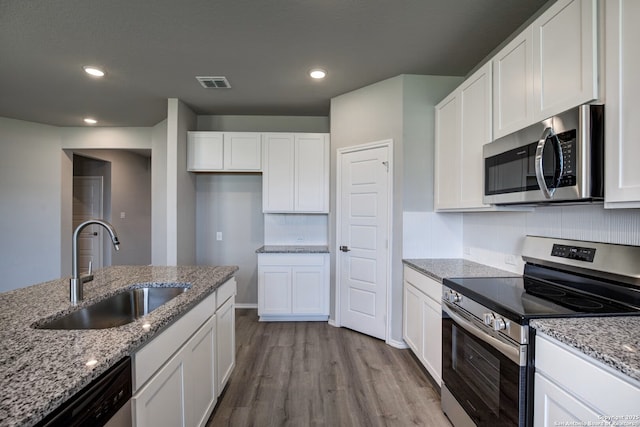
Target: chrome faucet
{"points": [[76, 284]]}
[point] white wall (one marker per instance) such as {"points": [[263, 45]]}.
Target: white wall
{"points": [[314, 124], [159, 194], [497, 237], [36, 177], [30, 211], [400, 109], [231, 204], [181, 187]]}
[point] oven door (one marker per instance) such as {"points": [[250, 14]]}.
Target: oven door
{"points": [[483, 376]]}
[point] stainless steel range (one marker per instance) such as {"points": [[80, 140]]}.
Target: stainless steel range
{"points": [[487, 355]]}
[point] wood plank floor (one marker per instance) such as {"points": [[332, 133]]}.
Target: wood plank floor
{"points": [[313, 374]]}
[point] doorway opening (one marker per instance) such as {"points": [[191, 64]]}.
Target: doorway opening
{"points": [[119, 181]]}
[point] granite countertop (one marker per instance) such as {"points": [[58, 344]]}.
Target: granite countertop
{"points": [[41, 369], [439, 269], [614, 341], [293, 249]]}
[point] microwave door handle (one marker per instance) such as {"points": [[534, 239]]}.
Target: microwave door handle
{"points": [[548, 132]]}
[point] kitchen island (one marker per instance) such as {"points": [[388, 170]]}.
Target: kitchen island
{"points": [[41, 369]]}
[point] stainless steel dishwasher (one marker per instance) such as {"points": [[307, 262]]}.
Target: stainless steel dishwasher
{"points": [[104, 402]]}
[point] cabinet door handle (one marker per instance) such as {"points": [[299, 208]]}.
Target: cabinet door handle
{"points": [[344, 248]]}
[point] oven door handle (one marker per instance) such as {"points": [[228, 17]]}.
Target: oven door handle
{"points": [[511, 351], [557, 175]]}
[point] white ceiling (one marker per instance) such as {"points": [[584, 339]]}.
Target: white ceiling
{"points": [[153, 49]]}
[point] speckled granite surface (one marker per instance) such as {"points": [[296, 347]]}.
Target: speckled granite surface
{"points": [[299, 249], [615, 341], [41, 369], [438, 269]]}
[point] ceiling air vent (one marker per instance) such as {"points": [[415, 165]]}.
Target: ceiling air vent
{"points": [[214, 82]]}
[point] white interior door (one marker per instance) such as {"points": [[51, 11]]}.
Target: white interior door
{"points": [[87, 204], [363, 226]]}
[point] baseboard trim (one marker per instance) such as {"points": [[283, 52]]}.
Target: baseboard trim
{"points": [[332, 322], [397, 344], [292, 318], [244, 305]]}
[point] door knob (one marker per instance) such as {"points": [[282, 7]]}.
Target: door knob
{"points": [[95, 233], [344, 248]]}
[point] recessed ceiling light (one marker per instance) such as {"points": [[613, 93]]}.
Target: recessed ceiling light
{"points": [[93, 71], [318, 73], [90, 121]]}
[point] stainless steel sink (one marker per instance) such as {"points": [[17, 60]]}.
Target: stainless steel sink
{"points": [[117, 310]]}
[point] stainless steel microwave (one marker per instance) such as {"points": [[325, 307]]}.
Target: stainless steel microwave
{"points": [[559, 160]]}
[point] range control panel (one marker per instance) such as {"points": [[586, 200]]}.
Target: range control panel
{"points": [[573, 252]]}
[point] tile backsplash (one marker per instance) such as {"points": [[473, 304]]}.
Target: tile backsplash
{"points": [[432, 235], [295, 229], [493, 238], [496, 238]]}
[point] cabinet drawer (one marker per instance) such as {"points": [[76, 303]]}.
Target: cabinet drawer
{"points": [[224, 292], [426, 285], [292, 259], [153, 355], [588, 379]]}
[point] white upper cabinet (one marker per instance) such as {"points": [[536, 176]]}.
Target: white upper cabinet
{"points": [[549, 68], [242, 151], [224, 151], [513, 85], [277, 176], [205, 151], [295, 173], [622, 110], [565, 60], [311, 173], [463, 126]]}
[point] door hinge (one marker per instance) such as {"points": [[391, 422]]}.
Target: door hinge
{"points": [[386, 164]]}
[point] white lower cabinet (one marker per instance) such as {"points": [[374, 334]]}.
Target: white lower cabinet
{"points": [[412, 324], [161, 401], [182, 392], [225, 336], [422, 320], [293, 286], [200, 387], [571, 388], [179, 375]]}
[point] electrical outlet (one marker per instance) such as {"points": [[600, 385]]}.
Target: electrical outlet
{"points": [[300, 239], [219, 235], [123, 215], [467, 250]]}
